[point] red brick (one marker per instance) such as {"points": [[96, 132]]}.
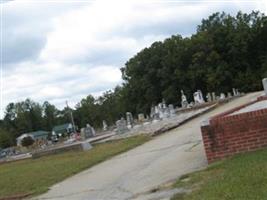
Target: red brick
{"points": [[228, 135]]}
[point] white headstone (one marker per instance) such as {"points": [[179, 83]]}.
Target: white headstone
{"points": [[105, 126], [141, 117], [209, 98], [87, 132], [152, 112], [121, 126], [222, 96], [184, 101], [164, 104], [171, 109], [234, 92], [198, 97], [264, 82], [129, 119], [86, 146], [213, 96], [166, 112]]}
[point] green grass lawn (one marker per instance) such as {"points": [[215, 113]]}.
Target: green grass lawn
{"points": [[35, 176], [243, 177]]}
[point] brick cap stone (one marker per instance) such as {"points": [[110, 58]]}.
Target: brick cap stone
{"points": [[205, 122]]}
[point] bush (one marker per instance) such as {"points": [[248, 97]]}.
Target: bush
{"points": [[27, 141]]}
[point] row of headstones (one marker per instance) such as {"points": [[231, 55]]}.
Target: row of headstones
{"points": [[198, 97], [158, 112], [161, 111]]}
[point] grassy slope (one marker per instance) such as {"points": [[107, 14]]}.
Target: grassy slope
{"points": [[243, 177], [35, 176]]}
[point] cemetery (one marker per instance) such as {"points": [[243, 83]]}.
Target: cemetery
{"points": [[238, 130], [162, 118], [163, 100], [128, 130]]}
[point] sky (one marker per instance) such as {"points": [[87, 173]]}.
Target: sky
{"points": [[62, 50]]}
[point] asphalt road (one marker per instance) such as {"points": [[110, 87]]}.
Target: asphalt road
{"points": [[134, 173]]}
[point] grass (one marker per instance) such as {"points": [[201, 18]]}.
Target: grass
{"points": [[243, 177], [35, 176]]}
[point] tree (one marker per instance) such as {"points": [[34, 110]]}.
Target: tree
{"points": [[6, 139], [219, 57], [50, 118]]}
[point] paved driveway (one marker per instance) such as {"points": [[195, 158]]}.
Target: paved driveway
{"points": [[131, 174]]}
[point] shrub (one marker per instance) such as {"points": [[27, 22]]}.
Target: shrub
{"points": [[27, 141]]}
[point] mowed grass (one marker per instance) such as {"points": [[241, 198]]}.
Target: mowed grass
{"points": [[243, 177], [35, 176]]}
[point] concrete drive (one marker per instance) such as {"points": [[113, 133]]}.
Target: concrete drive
{"points": [[132, 174]]}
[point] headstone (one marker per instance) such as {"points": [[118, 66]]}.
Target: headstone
{"points": [[141, 117], [184, 101], [161, 113], [229, 95], [105, 126], [152, 112], [198, 97], [86, 146], [171, 109], [121, 126], [209, 98], [87, 132], [264, 83], [213, 96], [166, 112], [191, 104], [164, 104], [222, 96], [160, 110], [234, 92], [129, 119], [156, 113], [156, 109]]}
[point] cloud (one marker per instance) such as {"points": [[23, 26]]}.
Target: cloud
{"points": [[65, 50], [56, 81], [25, 27]]}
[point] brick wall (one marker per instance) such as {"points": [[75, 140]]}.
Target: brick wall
{"points": [[227, 135]]}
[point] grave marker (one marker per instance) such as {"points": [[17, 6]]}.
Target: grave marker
{"points": [[264, 83]]}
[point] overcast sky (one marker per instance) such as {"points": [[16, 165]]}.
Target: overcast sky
{"points": [[64, 50]]}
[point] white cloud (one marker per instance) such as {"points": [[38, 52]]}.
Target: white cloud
{"points": [[52, 81]]}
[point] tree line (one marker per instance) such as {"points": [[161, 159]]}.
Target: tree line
{"points": [[225, 52]]}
